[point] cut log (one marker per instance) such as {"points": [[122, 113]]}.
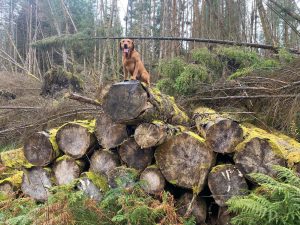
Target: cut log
{"points": [[130, 102], [196, 207], [75, 140], [109, 134], [226, 181], [135, 157], [257, 156], [14, 159], [67, 169], [36, 182], [152, 134], [40, 149], [185, 160], [153, 181], [122, 177], [103, 161], [221, 134], [93, 185], [11, 184]]}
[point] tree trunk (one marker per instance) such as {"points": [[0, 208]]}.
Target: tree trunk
{"points": [[226, 181], [40, 150], [135, 157], [35, 183], [149, 135], [66, 169], [131, 102], [257, 156], [220, 133], [153, 181], [109, 134], [75, 140], [197, 207], [185, 160], [103, 161]]}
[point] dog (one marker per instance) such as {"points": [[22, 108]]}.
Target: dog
{"points": [[132, 62]]}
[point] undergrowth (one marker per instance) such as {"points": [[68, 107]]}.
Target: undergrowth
{"points": [[120, 206], [274, 202]]}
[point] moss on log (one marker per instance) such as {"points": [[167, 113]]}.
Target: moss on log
{"points": [[108, 133], [152, 134], [14, 159], [221, 134], [185, 160], [131, 102], [226, 181], [11, 184], [122, 177], [135, 157]]}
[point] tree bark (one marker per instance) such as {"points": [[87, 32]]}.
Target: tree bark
{"points": [[131, 102], [75, 140], [35, 183], [108, 133], [67, 169], [226, 181], [103, 161], [198, 207], [122, 177], [185, 160], [153, 181], [135, 157], [220, 133], [152, 134], [39, 150]]}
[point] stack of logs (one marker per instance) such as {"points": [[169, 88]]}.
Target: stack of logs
{"points": [[143, 135]]}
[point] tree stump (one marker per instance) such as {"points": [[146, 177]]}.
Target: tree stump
{"points": [[226, 181], [103, 161], [109, 134], [221, 134], [153, 180], [130, 102], [185, 160], [122, 177], [67, 169], [257, 156], [197, 207], [149, 135], [75, 140], [40, 148], [36, 182], [135, 157]]}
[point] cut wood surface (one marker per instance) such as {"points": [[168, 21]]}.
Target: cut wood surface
{"points": [[185, 160], [75, 140], [108, 133], [221, 134], [153, 181], [36, 182], [135, 157], [131, 102], [102, 161], [226, 181], [39, 150], [197, 207], [155, 133], [66, 169]]}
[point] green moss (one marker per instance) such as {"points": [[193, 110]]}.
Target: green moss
{"points": [[52, 139], [90, 125], [99, 180], [174, 182], [15, 179], [14, 159], [219, 167], [194, 135]]}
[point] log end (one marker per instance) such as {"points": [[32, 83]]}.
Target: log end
{"points": [[153, 180]]}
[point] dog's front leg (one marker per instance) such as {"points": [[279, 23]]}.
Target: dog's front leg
{"points": [[135, 72], [125, 73]]}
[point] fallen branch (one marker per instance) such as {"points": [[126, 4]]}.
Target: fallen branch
{"points": [[19, 107], [83, 99]]}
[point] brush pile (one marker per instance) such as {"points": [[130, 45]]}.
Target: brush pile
{"points": [[143, 135]]}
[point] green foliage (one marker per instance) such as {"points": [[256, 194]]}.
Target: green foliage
{"points": [[192, 75], [166, 85], [275, 202], [172, 68], [285, 56]]}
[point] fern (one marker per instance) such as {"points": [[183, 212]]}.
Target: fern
{"points": [[275, 202]]}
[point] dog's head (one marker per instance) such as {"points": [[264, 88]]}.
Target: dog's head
{"points": [[126, 45]]}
